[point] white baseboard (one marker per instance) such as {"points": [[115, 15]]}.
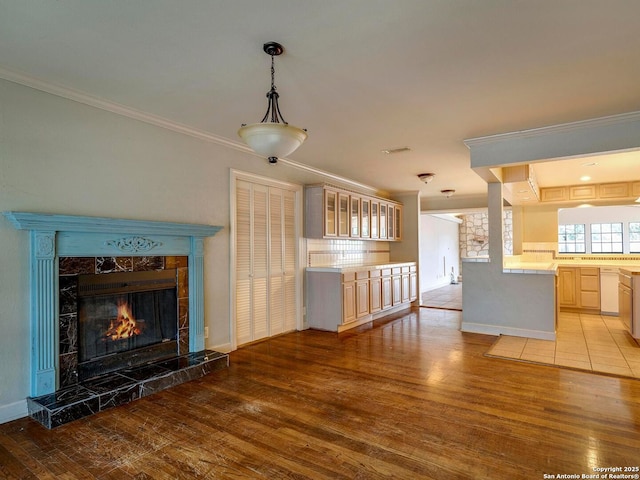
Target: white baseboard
{"points": [[13, 411], [502, 330]]}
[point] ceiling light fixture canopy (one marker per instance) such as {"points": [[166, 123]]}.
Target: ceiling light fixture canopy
{"points": [[426, 177], [448, 192], [273, 137]]}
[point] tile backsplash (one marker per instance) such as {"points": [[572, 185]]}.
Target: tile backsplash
{"points": [[343, 253]]}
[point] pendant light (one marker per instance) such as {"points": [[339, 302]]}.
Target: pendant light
{"points": [[273, 137]]}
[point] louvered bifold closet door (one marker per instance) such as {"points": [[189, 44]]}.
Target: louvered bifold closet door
{"points": [[251, 262], [276, 263], [290, 250]]}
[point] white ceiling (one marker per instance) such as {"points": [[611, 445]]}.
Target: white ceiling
{"points": [[360, 75]]}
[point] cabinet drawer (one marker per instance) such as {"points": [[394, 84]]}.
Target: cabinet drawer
{"points": [[348, 277], [362, 275], [405, 269], [590, 284], [374, 273], [396, 271], [590, 271], [386, 272], [590, 300]]}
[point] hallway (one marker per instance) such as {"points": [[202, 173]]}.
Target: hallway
{"points": [[448, 297]]}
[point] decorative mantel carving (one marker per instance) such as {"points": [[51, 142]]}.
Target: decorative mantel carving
{"points": [[53, 236], [133, 244]]}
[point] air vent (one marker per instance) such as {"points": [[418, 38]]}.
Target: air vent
{"points": [[389, 151]]}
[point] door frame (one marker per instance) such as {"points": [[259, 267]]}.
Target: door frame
{"points": [[234, 176]]}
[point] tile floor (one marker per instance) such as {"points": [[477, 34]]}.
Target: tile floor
{"points": [[448, 297], [595, 343]]}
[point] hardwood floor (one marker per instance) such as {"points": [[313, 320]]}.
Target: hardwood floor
{"points": [[409, 398]]}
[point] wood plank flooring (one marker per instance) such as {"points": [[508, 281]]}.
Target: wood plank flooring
{"points": [[409, 398]]}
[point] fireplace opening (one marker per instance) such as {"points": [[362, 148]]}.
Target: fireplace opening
{"points": [[125, 320]]}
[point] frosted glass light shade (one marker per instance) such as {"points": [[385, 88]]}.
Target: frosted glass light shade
{"points": [[272, 139]]}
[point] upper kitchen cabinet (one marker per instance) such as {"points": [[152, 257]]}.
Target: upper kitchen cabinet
{"points": [[331, 212]]}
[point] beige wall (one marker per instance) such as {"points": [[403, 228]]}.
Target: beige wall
{"points": [[540, 223]]}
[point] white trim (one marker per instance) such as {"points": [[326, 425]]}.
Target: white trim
{"points": [[13, 411], [563, 127], [497, 330], [125, 111]]}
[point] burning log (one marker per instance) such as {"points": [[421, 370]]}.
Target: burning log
{"points": [[124, 326]]}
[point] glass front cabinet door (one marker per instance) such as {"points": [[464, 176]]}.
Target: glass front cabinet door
{"points": [[375, 206], [364, 218], [398, 229], [330, 213], [343, 215], [355, 217]]}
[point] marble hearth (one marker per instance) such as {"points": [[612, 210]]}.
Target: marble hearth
{"points": [[64, 247]]}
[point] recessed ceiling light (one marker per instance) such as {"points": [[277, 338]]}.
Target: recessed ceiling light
{"points": [[585, 178], [585, 205], [590, 164]]}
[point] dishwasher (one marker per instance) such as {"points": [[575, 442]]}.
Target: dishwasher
{"points": [[609, 291]]}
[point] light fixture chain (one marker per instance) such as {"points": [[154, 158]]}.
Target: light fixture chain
{"points": [[273, 74]]}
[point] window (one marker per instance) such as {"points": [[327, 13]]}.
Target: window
{"points": [[606, 237], [571, 238], [634, 237]]}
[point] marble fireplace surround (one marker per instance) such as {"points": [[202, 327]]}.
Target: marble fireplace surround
{"points": [[55, 236]]}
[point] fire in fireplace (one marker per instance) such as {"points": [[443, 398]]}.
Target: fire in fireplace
{"points": [[125, 319]]}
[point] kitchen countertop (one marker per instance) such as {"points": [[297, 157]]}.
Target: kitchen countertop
{"points": [[358, 268], [515, 265], [631, 270]]}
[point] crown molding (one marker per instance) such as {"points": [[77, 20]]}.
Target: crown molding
{"points": [[119, 109], [551, 129]]}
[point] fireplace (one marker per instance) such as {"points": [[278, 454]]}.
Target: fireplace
{"points": [[125, 319], [116, 311]]}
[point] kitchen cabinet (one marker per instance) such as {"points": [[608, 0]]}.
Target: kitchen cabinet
{"points": [[338, 300], [413, 284], [348, 298], [375, 207], [365, 218], [354, 220], [362, 294], [590, 288], [382, 224], [567, 287], [387, 289], [375, 291], [396, 286], [579, 288], [334, 213], [343, 214]]}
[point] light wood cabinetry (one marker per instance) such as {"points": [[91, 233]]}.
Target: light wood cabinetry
{"points": [[375, 291], [396, 286], [334, 213], [579, 288], [567, 287], [590, 288], [338, 301], [596, 191], [387, 289]]}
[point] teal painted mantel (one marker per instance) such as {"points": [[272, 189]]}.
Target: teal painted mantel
{"points": [[55, 236]]}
